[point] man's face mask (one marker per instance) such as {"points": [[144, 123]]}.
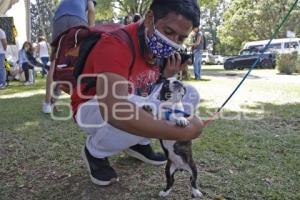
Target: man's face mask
{"points": [[160, 45]]}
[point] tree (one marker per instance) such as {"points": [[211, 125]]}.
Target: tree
{"points": [[246, 20], [105, 8], [41, 18], [211, 18]]}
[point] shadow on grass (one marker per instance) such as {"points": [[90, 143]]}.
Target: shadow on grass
{"points": [[230, 74], [238, 159]]}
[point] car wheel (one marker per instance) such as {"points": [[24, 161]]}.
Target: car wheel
{"points": [[203, 63], [228, 65], [266, 64], [219, 63]]}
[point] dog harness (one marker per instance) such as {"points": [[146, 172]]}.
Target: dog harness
{"points": [[170, 111]]}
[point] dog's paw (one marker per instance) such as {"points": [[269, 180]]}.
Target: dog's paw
{"points": [[164, 193], [182, 122], [196, 193]]}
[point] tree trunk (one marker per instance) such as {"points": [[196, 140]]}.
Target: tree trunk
{"points": [[28, 20], [5, 5]]}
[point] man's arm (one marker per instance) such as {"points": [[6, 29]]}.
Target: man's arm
{"points": [[91, 13], [38, 49], [138, 121], [198, 41], [4, 43]]}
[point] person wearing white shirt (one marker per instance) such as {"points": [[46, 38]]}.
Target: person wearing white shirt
{"points": [[3, 46], [43, 51]]}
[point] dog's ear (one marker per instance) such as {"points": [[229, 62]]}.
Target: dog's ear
{"points": [[164, 91], [184, 91]]}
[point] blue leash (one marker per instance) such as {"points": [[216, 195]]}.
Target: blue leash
{"points": [[254, 64]]}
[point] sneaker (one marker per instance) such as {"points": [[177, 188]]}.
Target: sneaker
{"points": [[47, 108], [2, 86], [146, 154], [27, 83], [101, 173]]}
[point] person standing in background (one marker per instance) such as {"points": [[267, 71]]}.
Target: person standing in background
{"points": [[42, 50], [136, 17], [127, 20], [197, 47], [69, 13], [3, 46]]}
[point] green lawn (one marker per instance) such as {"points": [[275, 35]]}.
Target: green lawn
{"points": [[237, 157]]}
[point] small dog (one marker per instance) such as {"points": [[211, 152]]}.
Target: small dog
{"points": [[179, 153]]}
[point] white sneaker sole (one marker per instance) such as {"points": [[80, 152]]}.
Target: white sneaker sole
{"points": [[95, 181], [143, 158], [47, 109]]}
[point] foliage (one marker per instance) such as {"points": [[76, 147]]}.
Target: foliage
{"points": [[7, 25], [41, 18], [246, 20], [106, 9], [286, 63], [297, 68], [211, 18]]}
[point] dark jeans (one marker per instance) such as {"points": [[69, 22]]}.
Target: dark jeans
{"points": [[26, 67], [45, 60]]}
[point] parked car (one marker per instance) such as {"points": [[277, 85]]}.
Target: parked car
{"points": [[247, 58], [219, 60], [207, 59], [282, 45]]}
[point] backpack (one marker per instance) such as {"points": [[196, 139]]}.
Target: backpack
{"points": [[72, 48]]}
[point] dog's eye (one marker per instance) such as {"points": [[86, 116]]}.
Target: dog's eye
{"points": [[168, 95]]}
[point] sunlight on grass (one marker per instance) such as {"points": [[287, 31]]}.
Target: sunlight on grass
{"points": [[22, 94]]}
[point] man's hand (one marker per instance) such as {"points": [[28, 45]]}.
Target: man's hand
{"points": [[173, 65], [195, 127]]}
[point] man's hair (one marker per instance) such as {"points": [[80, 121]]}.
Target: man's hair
{"points": [[187, 8]]}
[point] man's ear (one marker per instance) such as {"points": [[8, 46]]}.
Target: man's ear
{"points": [[148, 22]]}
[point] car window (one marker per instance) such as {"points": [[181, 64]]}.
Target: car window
{"points": [[248, 52], [288, 45], [275, 46], [255, 46], [245, 53]]}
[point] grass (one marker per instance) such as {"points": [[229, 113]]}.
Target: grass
{"points": [[237, 159]]}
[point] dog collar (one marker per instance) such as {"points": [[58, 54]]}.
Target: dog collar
{"points": [[170, 111]]}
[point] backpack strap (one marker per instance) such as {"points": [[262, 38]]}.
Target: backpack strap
{"points": [[85, 48], [121, 34], [125, 36]]}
